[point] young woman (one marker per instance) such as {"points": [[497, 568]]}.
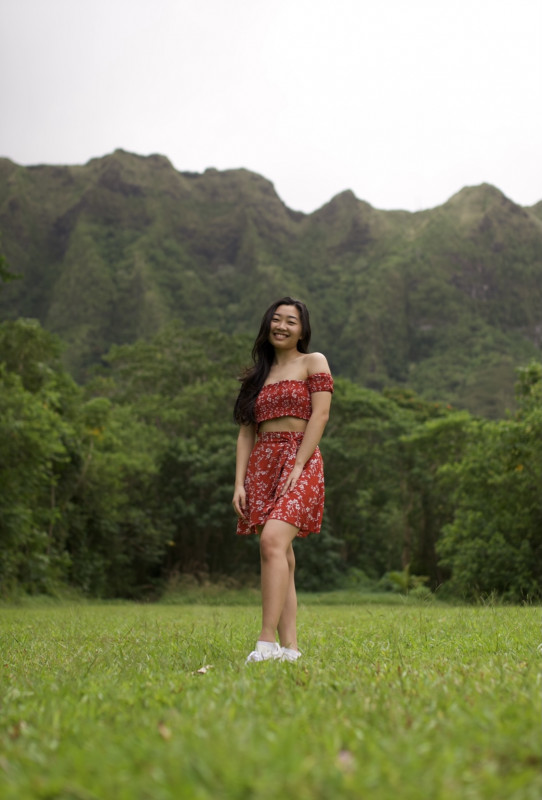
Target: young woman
{"points": [[282, 410]]}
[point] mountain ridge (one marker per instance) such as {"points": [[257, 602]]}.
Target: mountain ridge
{"points": [[447, 300]]}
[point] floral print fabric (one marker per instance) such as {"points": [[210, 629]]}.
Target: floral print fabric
{"points": [[271, 461], [290, 398]]}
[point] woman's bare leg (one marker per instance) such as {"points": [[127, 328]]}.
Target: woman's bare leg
{"points": [[275, 545], [287, 623]]}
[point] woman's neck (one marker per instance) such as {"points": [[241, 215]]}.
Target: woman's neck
{"points": [[282, 359]]}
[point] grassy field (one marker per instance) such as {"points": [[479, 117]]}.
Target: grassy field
{"points": [[389, 701]]}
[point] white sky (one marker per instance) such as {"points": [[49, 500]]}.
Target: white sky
{"points": [[402, 101]]}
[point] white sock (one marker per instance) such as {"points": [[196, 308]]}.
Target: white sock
{"points": [[261, 645]]}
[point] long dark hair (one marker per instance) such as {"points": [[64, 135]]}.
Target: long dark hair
{"points": [[263, 355]]}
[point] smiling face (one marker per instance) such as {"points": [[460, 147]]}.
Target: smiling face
{"points": [[285, 329]]}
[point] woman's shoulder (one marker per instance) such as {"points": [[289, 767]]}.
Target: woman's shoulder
{"points": [[316, 362]]}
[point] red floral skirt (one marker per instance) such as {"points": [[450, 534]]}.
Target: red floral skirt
{"points": [[271, 461]]}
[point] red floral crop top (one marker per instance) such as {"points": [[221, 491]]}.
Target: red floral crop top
{"points": [[290, 398]]}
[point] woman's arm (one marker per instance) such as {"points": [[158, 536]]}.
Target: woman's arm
{"points": [[321, 403], [245, 443]]}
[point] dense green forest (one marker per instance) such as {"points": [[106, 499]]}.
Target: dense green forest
{"points": [[446, 301], [123, 486], [130, 296]]}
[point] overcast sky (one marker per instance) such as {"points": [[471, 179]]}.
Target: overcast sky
{"points": [[402, 101]]}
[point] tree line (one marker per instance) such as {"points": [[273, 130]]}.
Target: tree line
{"points": [[120, 486]]}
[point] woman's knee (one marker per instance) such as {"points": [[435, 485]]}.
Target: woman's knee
{"points": [[270, 546], [276, 540]]}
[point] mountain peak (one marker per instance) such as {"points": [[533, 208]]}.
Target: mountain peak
{"points": [[480, 197]]}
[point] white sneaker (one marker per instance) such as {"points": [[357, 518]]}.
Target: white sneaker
{"points": [[290, 655], [265, 651]]}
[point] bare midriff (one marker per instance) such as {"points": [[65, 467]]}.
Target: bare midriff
{"points": [[292, 424]]}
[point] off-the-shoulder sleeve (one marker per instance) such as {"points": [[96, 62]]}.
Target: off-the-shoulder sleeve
{"points": [[320, 382]]}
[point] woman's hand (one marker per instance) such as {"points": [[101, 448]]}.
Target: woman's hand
{"points": [[292, 479], [239, 501]]}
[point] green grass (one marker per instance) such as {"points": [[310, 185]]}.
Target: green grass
{"points": [[405, 701]]}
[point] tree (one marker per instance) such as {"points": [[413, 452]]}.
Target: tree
{"points": [[426, 505], [5, 274], [37, 434], [361, 458], [494, 542]]}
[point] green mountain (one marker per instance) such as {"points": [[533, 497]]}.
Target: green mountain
{"points": [[447, 301]]}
